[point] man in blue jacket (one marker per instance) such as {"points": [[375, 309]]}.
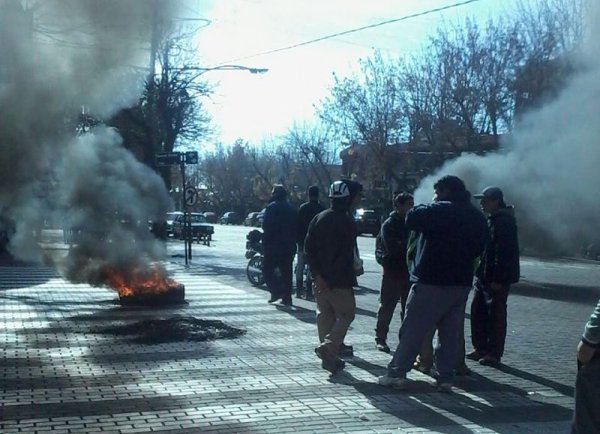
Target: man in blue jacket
{"points": [[451, 234], [279, 245]]}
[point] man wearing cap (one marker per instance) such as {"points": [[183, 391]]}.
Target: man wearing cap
{"points": [[329, 249], [279, 245], [497, 270]]}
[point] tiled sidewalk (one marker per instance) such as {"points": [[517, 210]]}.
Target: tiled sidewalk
{"points": [[58, 376]]}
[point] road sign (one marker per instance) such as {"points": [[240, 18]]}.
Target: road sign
{"points": [[191, 157], [168, 158], [190, 195]]}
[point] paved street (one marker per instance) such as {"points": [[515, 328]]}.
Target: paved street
{"points": [[59, 375]]}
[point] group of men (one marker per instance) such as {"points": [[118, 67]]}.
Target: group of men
{"points": [[432, 256], [450, 248]]}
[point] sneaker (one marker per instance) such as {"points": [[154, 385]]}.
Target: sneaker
{"points": [[346, 350], [444, 387], [474, 355], [419, 366], [489, 360], [395, 382], [382, 346]]}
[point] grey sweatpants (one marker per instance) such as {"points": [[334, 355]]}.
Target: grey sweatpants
{"points": [[428, 307]]}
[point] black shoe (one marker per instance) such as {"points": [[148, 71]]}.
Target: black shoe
{"points": [[310, 297], [382, 346], [474, 355], [287, 301], [333, 365], [346, 350], [273, 299]]}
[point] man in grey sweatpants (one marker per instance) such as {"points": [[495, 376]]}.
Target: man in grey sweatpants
{"points": [[586, 418], [451, 233]]}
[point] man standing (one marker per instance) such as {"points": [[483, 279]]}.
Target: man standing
{"points": [[586, 418], [306, 212], [279, 245], [497, 270], [451, 233], [390, 253], [329, 249]]}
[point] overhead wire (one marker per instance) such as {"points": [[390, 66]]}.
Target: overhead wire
{"points": [[355, 30]]}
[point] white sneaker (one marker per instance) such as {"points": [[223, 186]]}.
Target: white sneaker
{"points": [[395, 382]]}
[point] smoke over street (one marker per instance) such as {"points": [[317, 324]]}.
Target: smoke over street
{"points": [[549, 168], [58, 57]]}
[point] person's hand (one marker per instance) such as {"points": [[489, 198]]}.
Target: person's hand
{"points": [[320, 284], [585, 352], [496, 286]]}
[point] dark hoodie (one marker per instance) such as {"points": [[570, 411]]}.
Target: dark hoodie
{"points": [[500, 259], [450, 236]]}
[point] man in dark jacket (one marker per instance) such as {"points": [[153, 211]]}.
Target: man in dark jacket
{"points": [[279, 245], [306, 213], [390, 253], [329, 249], [497, 270], [451, 233]]}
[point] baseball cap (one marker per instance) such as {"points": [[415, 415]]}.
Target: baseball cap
{"points": [[491, 193]]}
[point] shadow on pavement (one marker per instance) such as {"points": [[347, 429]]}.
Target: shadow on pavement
{"points": [[476, 400], [561, 388]]}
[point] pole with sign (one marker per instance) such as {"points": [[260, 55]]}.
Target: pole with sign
{"points": [[190, 194]]}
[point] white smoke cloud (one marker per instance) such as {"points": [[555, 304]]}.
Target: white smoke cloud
{"points": [[550, 168], [60, 56]]}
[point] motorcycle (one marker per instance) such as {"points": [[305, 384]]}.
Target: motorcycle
{"points": [[254, 254]]}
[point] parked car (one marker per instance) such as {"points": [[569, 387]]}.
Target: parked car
{"points": [[201, 230], [231, 218], [170, 218], [251, 219], [367, 221], [211, 217]]}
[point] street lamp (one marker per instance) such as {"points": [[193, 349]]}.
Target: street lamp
{"points": [[224, 68]]}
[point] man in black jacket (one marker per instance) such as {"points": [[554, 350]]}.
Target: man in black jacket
{"points": [[498, 269], [329, 248], [450, 235], [306, 213], [279, 245], [390, 253]]}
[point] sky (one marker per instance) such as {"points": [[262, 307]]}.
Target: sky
{"points": [[258, 106]]}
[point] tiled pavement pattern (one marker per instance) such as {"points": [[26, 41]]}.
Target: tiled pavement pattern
{"points": [[57, 376]]}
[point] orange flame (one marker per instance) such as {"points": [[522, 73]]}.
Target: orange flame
{"points": [[140, 280]]}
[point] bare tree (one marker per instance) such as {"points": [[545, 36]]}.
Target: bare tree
{"points": [[366, 107], [314, 151]]}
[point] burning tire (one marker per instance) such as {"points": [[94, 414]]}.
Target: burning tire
{"points": [[254, 271]]}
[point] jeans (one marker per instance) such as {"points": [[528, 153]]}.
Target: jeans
{"points": [[393, 289], [277, 271], [586, 418], [427, 307], [488, 319]]}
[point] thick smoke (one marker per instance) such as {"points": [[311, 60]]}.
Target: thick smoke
{"points": [[550, 168], [60, 56]]}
